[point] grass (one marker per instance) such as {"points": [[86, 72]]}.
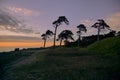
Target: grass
{"points": [[108, 46], [7, 58], [72, 64], [65, 66]]}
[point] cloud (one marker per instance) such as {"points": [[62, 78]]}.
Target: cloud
{"points": [[12, 23], [14, 38], [90, 30], [114, 21], [23, 11], [86, 22], [7, 19]]}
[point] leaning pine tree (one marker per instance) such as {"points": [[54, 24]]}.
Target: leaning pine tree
{"points": [[65, 35], [82, 28], [46, 35], [58, 23], [100, 24]]}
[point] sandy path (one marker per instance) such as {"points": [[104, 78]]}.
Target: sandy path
{"points": [[20, 62], [27, 60]]}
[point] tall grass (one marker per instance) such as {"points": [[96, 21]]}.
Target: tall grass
{"points": [[56, 65], [73, 63], [107, 46]]}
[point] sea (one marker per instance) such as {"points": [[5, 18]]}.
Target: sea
{"points": [[7, 49]]}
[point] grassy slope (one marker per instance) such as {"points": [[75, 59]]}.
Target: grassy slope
{"points": [[72, 64], [107, 46], [9, 58]]}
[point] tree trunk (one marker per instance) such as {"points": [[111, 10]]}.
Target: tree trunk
{"points": [[79, 39], [44, 43], [98, 37], [55, 36], [60, 42]]}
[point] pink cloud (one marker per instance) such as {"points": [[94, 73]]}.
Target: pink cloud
{"points": [[114, 21], [23, 11], [87, 22]]}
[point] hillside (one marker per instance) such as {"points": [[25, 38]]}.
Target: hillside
{"points": [[108, 46], [69, 63]]}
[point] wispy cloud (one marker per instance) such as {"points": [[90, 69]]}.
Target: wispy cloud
{"points": [[12, 23], [114, 21], [90, 30], [7, 19], [17, 38], [87, 22], [23, 11]]}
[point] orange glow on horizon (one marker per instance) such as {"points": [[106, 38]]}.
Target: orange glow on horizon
{"points": [[24, 44]]}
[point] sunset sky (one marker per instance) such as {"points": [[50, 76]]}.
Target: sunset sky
{"points": [[25, 20]]}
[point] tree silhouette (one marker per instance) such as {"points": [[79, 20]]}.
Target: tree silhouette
{"points": [[82, 28], [46, 35], [65, 35], [58, 23], [100, 24], [118, 33]]}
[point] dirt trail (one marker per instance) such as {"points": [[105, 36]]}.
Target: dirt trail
{"points": [[18, 63], [27, 60]]}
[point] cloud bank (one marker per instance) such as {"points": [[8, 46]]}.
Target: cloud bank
{"points": [[23, 11], [19, 39], [114, 21], [12, 23]]}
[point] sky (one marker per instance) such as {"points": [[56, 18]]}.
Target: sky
{"points": [[25, 20]]}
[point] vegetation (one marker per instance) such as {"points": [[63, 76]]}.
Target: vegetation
{"points": [[109, 46], [81, 28], [58, 23], [100, 25], [118, 33], [65, 35], [81, 42], [7, 58], [97, 62], [46, 35]]}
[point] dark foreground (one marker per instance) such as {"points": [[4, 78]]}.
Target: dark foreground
{"points": [[60, 64], [100, 61]]}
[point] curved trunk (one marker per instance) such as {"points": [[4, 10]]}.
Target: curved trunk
{"points": [[98, 37], [60, 42], [44, 43], [79, 39], [55, 36]]}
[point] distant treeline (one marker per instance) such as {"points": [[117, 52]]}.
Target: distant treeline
{"points": [[66, 36], [87, 40]]}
